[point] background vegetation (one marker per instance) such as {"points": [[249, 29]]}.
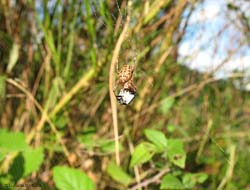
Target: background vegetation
{"points": [[184, 130]]}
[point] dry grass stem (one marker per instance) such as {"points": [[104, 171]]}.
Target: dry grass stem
{"points": [[121, 38]]}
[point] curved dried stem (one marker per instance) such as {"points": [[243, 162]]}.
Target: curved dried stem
{"points": [[112, 82]]}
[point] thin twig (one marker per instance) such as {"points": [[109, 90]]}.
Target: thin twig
{"points": [[230, 169], [112, 81], [151, 180], [204, 140]]}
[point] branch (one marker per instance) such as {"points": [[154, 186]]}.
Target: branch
{"points": [[151, 180]]}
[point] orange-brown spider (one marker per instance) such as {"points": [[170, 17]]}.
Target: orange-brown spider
{"points": [[125, 80]]}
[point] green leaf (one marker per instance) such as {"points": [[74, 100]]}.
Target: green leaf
{"points": [[12, 141], [26, 162], [201, 177], [167, 103], [190, 180], [71, 179], [2, 155], [88, 140], [171, 128], [157, 138], [176, 153], [14, 54], [171, 182], [61, 122], [6, 179], [108, 146], [16, 169], [54, 93], [143, 153], [33, 159], [118, 174]]}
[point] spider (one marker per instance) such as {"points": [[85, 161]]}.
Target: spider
{"points": [[128, 89], [125, 74]]}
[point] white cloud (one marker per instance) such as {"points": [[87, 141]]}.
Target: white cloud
{"points": [[208, 43], [209, 12]]}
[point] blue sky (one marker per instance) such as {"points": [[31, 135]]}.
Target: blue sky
{"points": [[212, 35]]}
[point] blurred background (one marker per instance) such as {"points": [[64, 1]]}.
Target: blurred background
{"points": [[187, 128]]}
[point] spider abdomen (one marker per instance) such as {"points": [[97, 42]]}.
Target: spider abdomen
{"points": [[125, 74]]}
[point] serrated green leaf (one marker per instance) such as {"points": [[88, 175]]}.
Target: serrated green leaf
{"points": [[176, 153], [157, 138], [71, 179], [118, 174], [190, 180], [166, 104], [171, 182], [12, 141], [33, 159], [143, 153]]}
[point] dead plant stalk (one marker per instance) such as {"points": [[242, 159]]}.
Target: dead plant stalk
{"points": [[121, 38]]}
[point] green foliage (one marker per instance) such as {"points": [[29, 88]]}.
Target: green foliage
{"points": [[118, 174], [33, 158], [190, 180], [166, 105], [157, 138], [176, 153], [2, 155], [172, 147], [71, 179], [12, 141], [142, 153], [171, 182], [171, 128], [28, 160], [61, 121], [16, 170], [89, 142], [108, 146]]}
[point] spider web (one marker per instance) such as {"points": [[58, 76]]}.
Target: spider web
{"points": [[129, 43]]}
